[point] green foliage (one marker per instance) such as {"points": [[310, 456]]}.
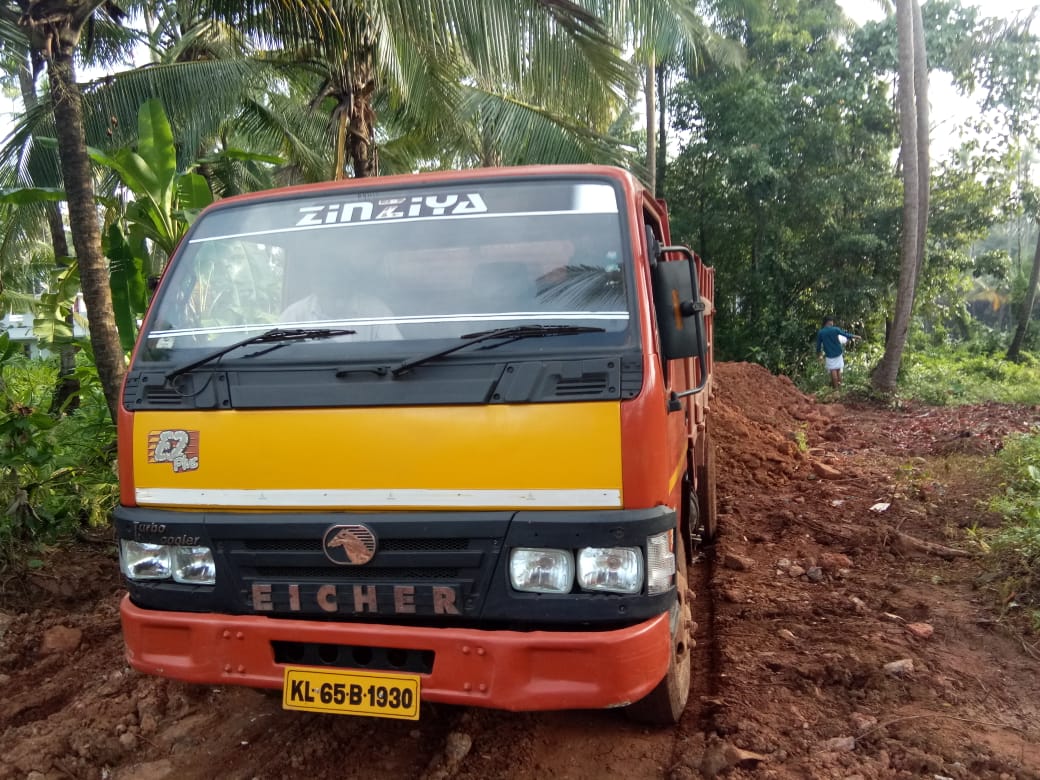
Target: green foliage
{"points": [[860, 358], [56, 475], [164, 202], [965, 375], [54, 309], [164, 205], [786, 187], [21, 196], [1017, 545], [935, 372], [128, 282]]}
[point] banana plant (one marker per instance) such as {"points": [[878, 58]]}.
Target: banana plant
{"points": [[141, 236], [52, 323]]}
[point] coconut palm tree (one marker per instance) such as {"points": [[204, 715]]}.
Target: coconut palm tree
{"points": [[46, 37], [535, 73], [54, 31], [665, 34]]}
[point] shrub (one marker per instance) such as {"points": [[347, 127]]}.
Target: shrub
{"points": [[56, 473]]}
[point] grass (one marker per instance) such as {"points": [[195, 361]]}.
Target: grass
{"points": [[938, 377], [1016, 546], [965, 377]]}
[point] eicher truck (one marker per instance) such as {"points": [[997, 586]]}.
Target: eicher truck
{"points": [[440, 437]]}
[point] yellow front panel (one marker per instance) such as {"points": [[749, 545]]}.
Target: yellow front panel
{"points": [[431, 451]]}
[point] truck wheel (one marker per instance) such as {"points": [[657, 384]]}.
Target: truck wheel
{"points": [[706, 488], [664, 705]]}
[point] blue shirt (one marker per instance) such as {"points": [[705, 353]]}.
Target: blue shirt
{"points": [[827, 341]]}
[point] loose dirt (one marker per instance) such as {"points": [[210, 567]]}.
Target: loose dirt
{"points": [[842, 633]]}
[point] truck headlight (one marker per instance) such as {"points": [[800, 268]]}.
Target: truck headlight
{"points": [[187, 565], [144, 561], [538, 570], [612, 569], [194, 566], [660, 562]]}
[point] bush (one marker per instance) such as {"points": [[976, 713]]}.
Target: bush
{"points": [[57, 474]]}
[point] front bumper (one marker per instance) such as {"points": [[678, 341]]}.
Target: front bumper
{"points": [[511, 670]]}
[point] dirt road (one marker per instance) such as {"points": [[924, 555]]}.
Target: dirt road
{"points": [[840, 636]]}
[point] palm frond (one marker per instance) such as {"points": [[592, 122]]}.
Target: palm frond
{"points": [[518, 133], [26, 254], [206, 39], [278, 24], [415, 85], [108, 43], [495, 38], [27, 160], [13, 39], [286, 126], [195, 96]]}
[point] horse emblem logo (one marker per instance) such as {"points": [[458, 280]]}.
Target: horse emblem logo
{"points": [[349, 545]]}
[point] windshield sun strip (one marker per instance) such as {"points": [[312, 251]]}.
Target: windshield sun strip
{"points": [[396, 221], [619, 316]]}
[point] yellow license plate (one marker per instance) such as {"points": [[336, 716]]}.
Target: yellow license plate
{"points": [[374, 694]]}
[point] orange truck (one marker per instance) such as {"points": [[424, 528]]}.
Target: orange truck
{"points": [[439, 437]]}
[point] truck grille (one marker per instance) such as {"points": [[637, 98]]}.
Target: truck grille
{"points": [[286, 573]]}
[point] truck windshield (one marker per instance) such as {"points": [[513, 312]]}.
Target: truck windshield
{"points": [[397, 266]]}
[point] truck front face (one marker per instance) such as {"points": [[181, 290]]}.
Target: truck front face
{"points": [[380, 429]]}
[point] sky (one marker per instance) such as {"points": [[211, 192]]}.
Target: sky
{"points": [[870, 10]]}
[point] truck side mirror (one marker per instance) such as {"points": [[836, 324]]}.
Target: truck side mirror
{"points": [[680, 309]]}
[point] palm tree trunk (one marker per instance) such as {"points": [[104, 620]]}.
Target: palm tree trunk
{"points": [[923, 131], [886, 373], [649, 90], [361, 130], [340, 171], [1026, 313], [83, 222], [360, 147], [662, 128]]}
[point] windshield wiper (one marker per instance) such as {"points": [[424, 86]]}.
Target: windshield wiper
{"points": [[277, 336], [507, 335]]}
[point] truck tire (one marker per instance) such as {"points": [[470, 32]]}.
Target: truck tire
{"points": [[664, 705], [709, 515]]}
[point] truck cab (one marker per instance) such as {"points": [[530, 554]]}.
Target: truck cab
{"points": [[440, 437]]}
